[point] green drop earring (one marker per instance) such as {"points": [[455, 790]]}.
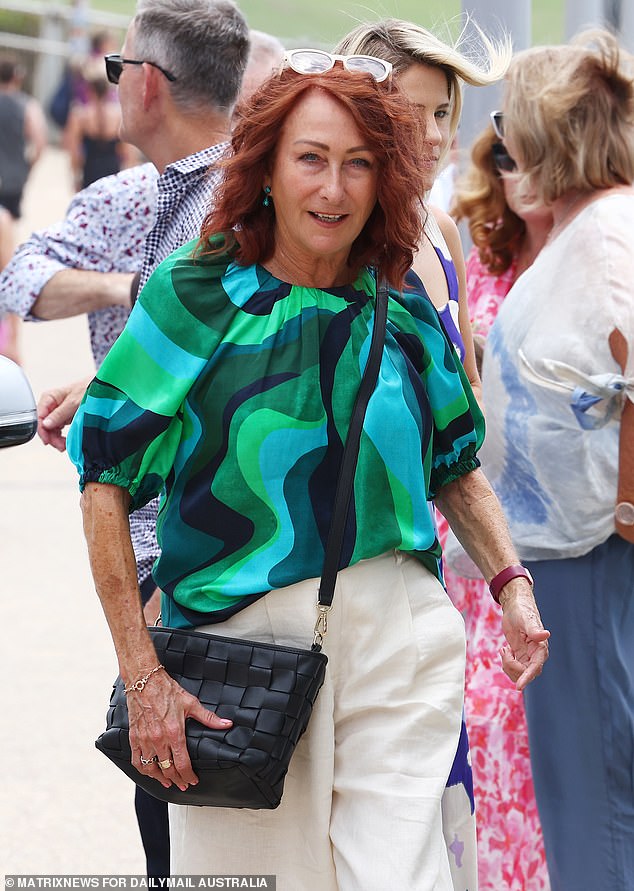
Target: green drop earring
{"points": [[267, 199]]}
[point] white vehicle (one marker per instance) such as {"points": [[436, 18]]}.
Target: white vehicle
{"points": [[18, 413]]}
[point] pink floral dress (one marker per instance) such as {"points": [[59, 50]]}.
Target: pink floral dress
{"points": [[510, 845]]}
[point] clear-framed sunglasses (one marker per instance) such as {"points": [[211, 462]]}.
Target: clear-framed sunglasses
{"points": [[316, 61], [497, 122]]}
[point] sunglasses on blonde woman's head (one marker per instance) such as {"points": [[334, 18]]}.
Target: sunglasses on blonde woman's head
{"points": [[501, 158], [497, 122], [314, 61], [114, 67]]}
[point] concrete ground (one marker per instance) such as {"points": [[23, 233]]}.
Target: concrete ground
{"points": [[65, 808]]}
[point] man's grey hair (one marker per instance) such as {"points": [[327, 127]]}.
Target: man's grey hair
{"points": [[265, 48], [203, 43], [266, 55]]}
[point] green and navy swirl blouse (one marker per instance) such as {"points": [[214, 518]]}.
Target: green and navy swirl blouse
{"points": [[229, 393]]}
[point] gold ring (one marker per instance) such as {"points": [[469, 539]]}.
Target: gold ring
{"points": [[164, 765]]}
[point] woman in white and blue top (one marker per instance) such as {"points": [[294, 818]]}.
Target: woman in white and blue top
{"points": [[559, 391]]}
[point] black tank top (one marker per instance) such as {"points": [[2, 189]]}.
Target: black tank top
{"points": [[14, 167], [100, 159]]}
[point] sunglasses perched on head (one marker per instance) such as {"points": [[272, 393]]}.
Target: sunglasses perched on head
{"points": [[315, 61], [497, 122], [501, 158], [114, 67]]}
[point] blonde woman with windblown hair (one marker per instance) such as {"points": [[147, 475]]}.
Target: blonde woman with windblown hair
{"points": [[431, 73]]}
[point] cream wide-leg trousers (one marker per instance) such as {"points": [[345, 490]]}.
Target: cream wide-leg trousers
{"points": [[361, 809]]}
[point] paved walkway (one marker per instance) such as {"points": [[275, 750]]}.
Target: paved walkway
{"points": [[65, 809]]}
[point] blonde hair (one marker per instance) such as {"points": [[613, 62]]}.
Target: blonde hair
{"points": [[570, 110], [479, 198], [478, 61]]}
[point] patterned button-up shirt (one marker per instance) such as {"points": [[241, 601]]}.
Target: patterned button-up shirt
{"points": [[127, 222], [104, 230]]}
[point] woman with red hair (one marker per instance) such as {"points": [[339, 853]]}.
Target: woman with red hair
{"points": [[247, 348]]}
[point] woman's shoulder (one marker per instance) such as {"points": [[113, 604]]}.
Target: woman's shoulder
{"points": [[193, 266], [187, 291], [444, 221], [607, 210], [439, 228], [442, 231], [599, 237], [214, 252]]}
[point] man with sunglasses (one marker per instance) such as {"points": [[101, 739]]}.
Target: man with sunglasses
{"points": [[179, 77]]}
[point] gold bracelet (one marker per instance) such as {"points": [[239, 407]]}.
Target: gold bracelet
{"points": [[137, 686]]}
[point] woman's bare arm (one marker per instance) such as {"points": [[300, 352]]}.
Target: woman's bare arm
{"points": [[474, 513], [157, 713]]}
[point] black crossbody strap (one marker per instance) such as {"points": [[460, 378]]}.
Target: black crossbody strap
{"points": [[348, 467]]}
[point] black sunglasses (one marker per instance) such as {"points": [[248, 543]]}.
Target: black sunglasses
{"points": [[114, 67], [501, 158]]}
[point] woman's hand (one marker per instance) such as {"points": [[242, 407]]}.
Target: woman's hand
{"points": [[157, 712], [157, 728], [56, 409], [524, 655], [476, 518]]}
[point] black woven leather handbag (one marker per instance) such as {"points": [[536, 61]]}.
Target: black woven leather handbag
{"points": [[268, 691]]}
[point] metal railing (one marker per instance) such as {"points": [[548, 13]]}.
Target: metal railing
{"points": [[62, 33], [66, 12]]}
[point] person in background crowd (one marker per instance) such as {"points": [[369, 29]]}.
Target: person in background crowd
{"points": [[507, 236], [265, 57], [9, 322], [558, 383], [71, 88], [431, 73], [91, 136], [441, 193], [319, 201], [126, 223], [102, 42], [24, 134]]}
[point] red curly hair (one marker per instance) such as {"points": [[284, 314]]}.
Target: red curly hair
{"points": [[389, 128]]}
